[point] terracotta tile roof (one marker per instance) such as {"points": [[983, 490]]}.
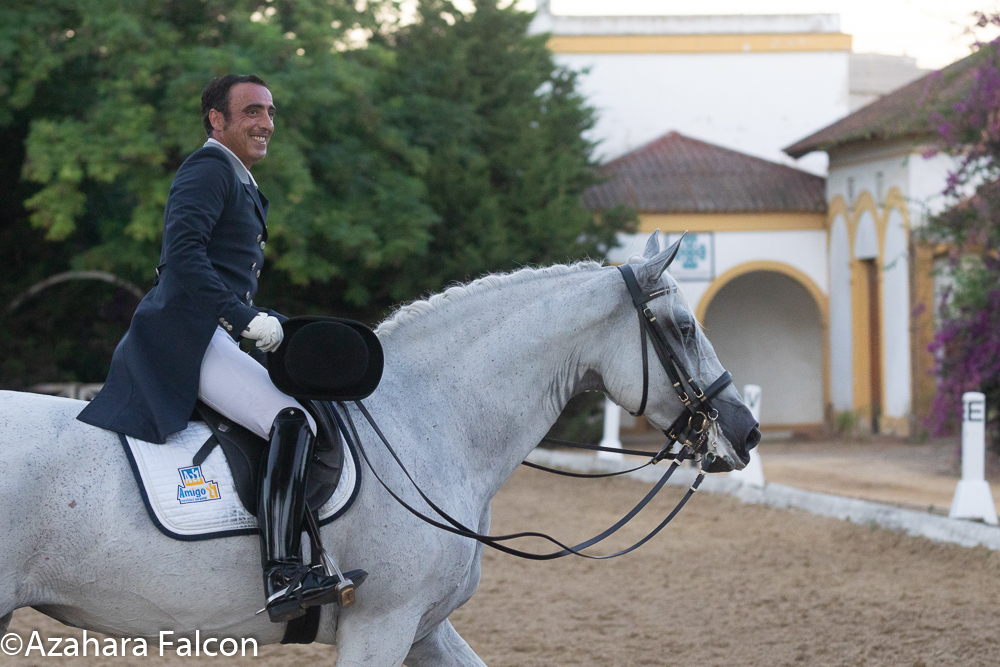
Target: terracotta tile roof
{"points": [[677, 174], [905, 112]]}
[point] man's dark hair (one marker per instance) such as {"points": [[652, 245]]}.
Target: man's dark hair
{"points": [[216, 95]]}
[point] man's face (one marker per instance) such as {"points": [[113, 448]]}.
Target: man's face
{"points": [[250, 126]]}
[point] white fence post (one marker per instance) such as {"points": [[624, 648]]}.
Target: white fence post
{"points": [[753, 474], [612, 426], [973, 499]]}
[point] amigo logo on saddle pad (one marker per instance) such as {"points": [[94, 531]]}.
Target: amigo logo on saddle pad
{"points": [[195, 488]]}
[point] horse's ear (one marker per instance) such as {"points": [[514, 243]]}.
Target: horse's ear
{"points": [[652, 246], [654, 268]]}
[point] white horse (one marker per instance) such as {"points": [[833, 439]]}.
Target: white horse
{"points": [[474, 377]]}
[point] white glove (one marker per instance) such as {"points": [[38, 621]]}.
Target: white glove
{"points": [[266, 330]]}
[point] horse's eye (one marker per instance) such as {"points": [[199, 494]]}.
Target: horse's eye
{"points": [[685, 327]]}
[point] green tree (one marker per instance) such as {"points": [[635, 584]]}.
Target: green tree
{"points": [[113, 95], [101, 103], [503, 128], [403, 158]]}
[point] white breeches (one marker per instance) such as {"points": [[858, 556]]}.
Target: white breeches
{"points": [[235, 385]]}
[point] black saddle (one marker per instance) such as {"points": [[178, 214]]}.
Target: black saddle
{"points": [[245, 452]]}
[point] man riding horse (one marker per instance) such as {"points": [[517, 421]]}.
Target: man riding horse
{"points": [[183, 342]]}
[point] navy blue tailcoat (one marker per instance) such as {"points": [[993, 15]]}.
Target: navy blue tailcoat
{"points": [[214, 229]]}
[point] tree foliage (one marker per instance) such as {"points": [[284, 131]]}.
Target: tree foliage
{"points": [[967, 344], [403, 157], [503, 131]]}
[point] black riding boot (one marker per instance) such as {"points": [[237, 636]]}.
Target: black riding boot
{"points": [[289, 586]]}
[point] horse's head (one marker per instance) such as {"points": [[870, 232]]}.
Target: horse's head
{"points": [[730, 430]]}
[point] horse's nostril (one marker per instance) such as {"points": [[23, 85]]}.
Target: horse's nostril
{"points": [[753, 438]]}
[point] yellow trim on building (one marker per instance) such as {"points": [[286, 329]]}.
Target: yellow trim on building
{"points": [[821, 300], [837, 206], [731, 222], [860, 310], [712, 43], [922, 307], [860, 326], [894, 199]]}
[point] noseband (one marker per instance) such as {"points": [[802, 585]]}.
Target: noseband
{"points": [[690, 427]]}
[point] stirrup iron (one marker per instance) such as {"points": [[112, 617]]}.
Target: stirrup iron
{"points": [[346, 588]]}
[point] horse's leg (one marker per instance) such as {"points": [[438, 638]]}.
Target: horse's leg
{"points": [[443, 647], [371, 640]]}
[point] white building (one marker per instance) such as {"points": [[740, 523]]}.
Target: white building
{"points": [[751, 83], [806, 287], [880, 187], [753, 265]]}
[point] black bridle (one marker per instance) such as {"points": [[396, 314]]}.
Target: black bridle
{"points": [[690, 426], [689, 430]]}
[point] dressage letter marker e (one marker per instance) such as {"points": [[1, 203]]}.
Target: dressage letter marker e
{"points": [[973, 499]]}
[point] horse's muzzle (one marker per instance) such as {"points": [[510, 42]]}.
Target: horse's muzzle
{"points": [[748, 442], [741, 447]]}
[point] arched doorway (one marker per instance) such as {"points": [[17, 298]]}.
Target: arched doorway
{"points": [[767, 329]]}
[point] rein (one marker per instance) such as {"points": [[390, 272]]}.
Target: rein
{"points": [[496, 541], [689, 430]]}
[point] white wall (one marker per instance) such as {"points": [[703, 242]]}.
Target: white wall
{"points": [[896, 318], [756, 103], [753, 102], [766, 330], [927, 178], [848, 178], [841, 333], [919, 179]]}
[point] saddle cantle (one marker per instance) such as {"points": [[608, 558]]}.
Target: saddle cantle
{"points": [[245, 452]]}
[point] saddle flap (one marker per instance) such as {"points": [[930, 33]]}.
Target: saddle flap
{"points": [[245, 452]]}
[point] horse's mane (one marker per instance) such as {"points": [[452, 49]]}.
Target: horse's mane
{"points": [[462, 291]]}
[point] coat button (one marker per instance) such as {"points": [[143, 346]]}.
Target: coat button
{"points": [[262, 244], [248, 295], [229, 327], [253, 266], [258, 273], [259, 237]]}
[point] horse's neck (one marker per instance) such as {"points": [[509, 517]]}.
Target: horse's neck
{"points": [[496, 368]]}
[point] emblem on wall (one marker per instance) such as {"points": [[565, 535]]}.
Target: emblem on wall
{"points": [[695, 258]]}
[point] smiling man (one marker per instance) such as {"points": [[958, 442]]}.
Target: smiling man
{"points": [[183, 342]]}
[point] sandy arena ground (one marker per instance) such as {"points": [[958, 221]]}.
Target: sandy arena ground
{"points": [[724, 584]]}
